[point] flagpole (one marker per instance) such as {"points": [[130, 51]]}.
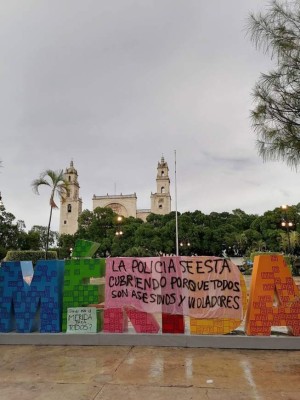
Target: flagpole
{"points": [[176, 212]]}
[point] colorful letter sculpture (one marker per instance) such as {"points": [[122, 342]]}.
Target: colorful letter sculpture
{"points": [[219, 326], [23, 293], [272, 282], [115, 321], [69, 295], [78, 290], [85, 249], [172, 323], [142, 322]]}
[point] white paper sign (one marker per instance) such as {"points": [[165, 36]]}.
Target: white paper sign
{"points": [[82, 320]]}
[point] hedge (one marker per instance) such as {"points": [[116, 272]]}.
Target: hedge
{"points": [[29, 255]]}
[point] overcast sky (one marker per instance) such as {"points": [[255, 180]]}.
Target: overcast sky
{"points": [[114, 84]]}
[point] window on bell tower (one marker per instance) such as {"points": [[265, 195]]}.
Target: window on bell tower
{"points": [[69, 208], [163, 189]]}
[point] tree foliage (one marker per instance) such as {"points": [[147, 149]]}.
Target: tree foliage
{"points": [[237, 233], [276, 116], [66, 243], [39, 236], [9, 231]]}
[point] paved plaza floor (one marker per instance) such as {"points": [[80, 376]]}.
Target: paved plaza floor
{"points": [[147, 373]]}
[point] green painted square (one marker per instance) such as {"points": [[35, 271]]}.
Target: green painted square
{"points": [[78, 292], [85, 248]]}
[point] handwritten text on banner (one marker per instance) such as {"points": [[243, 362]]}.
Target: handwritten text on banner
{"points": [[201, 287]]}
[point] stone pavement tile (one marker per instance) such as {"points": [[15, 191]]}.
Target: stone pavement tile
{"points": [[80, 364], [48, 391], [278, 395], [183, 367], [79, 372], [138, 392], [272, 370], [177, 366], [228, 394], [227, 369]]}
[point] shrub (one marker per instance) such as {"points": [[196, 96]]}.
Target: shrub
{"points": [[2, 252], [29, 255]]}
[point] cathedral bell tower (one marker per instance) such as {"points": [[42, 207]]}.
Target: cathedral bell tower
{"points": [[71, 207], [161, 200]]}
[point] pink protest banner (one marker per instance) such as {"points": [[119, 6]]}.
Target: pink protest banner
{"points": [[200, 287]]}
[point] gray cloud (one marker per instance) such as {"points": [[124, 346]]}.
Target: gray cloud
{"points": [[114, 84]]}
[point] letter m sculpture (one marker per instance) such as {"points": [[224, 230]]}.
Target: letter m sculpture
{"points": [[31, 299]]}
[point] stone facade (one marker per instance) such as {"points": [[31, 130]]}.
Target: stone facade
{"points": [[161, 200], [123, 204], [71, 208]]}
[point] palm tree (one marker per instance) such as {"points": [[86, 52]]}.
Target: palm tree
{"points": [[59, 186], [294, 240], [260, 245]]}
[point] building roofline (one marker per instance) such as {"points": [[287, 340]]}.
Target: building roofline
{"points": [[115, 196]]}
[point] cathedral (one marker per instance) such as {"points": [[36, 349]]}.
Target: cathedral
{"points": [[123, 204]]}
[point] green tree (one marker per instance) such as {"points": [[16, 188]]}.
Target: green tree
{"points": [[9, 232], [59, 187], [29, 240], [99, 226], [148, 236], [137, 252], [45, 237], [23, 237], [66, 242], [289, 241], [276, 116]]}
